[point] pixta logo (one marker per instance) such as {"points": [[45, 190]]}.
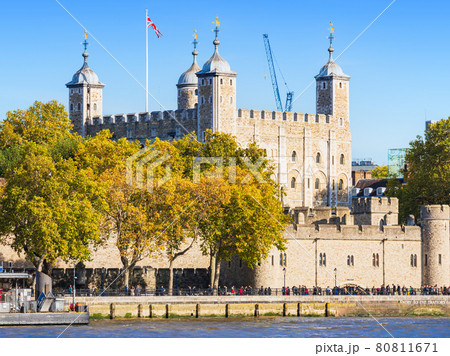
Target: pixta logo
{"points": [[149, 159]]}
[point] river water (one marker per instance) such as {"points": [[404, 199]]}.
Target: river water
{"points": [[263, 327]]}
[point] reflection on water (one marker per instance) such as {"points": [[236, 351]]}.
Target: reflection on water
{"points": [[244, 327]]}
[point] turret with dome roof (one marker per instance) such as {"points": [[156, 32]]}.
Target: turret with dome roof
{"points": [[85, 95], [216, 93], [188, 83], [332, 89]]}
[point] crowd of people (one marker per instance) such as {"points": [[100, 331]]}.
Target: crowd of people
{"points": [[268, 291]]}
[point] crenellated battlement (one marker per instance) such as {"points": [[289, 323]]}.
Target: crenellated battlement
{"points": [[354, 232], [189, 114], [374, 205], [438, 212], [286, 116]]}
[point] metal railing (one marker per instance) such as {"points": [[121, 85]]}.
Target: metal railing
{"points": [[225, 291]]}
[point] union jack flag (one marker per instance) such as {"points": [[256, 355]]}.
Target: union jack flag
{"points": [[151, 24]]}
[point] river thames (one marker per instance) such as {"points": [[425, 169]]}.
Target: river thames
{"points": [[264, 327]]}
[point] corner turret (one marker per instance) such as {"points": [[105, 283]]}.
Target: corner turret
{"points": [[435, 249], [188, 83], [332, 89], [216, 93], [85, 95]]}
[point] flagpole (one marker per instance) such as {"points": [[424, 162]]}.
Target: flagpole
{"points": [[146, 61]]}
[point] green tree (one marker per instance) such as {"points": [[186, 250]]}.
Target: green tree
{"points": [[380, 172], [49, 209], [244, 216], [428, 172], [42, 123], [127, 215]]}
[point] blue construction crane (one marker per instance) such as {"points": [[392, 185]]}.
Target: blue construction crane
{"points": [[273, 76]]}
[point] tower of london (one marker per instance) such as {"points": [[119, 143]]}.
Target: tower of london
{"points": [[311, 152], [333, 238]]}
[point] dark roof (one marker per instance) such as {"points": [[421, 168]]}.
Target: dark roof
{"points": [[372, 183]]}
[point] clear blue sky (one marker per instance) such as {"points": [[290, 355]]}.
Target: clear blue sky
{"points": [[399, 67]]}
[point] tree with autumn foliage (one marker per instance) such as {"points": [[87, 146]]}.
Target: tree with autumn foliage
{"points": [[239, 210], [130, 214], [49, 207]]}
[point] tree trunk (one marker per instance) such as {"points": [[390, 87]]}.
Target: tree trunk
{"points": [[216, 276], [38, 264], [170, 288], [126, 275], [130, 271], [212, 268]]}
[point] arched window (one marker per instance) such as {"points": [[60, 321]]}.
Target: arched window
{"points": [[318, 157], [374, 260], [71, 107], [79, 107], [341, 184], [231, 81], [340, 85], [341, 159], [294, 156], [415, 260], [317, 184], [412, 260], [281, 259], [320, 259], [348, 260], [196, 92], [352, 260], [324, 259], [341, 122], [378, 260], [95, 106], [221, 81], [293, 183], [285, 260]]}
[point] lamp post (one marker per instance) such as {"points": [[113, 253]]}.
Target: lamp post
{"points": [[335, 281], [103, 281], [284, 282]]}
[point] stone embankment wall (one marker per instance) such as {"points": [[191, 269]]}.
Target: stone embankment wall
{"points": [[234, 306]]}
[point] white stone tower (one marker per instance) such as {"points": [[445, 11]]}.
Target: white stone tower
{"points": [[435, 244], [216, 94], [188, 83], [85, 96]]}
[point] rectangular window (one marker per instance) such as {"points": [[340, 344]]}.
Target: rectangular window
{"points": [[272, 260], [426, 260], [440, 259]]}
